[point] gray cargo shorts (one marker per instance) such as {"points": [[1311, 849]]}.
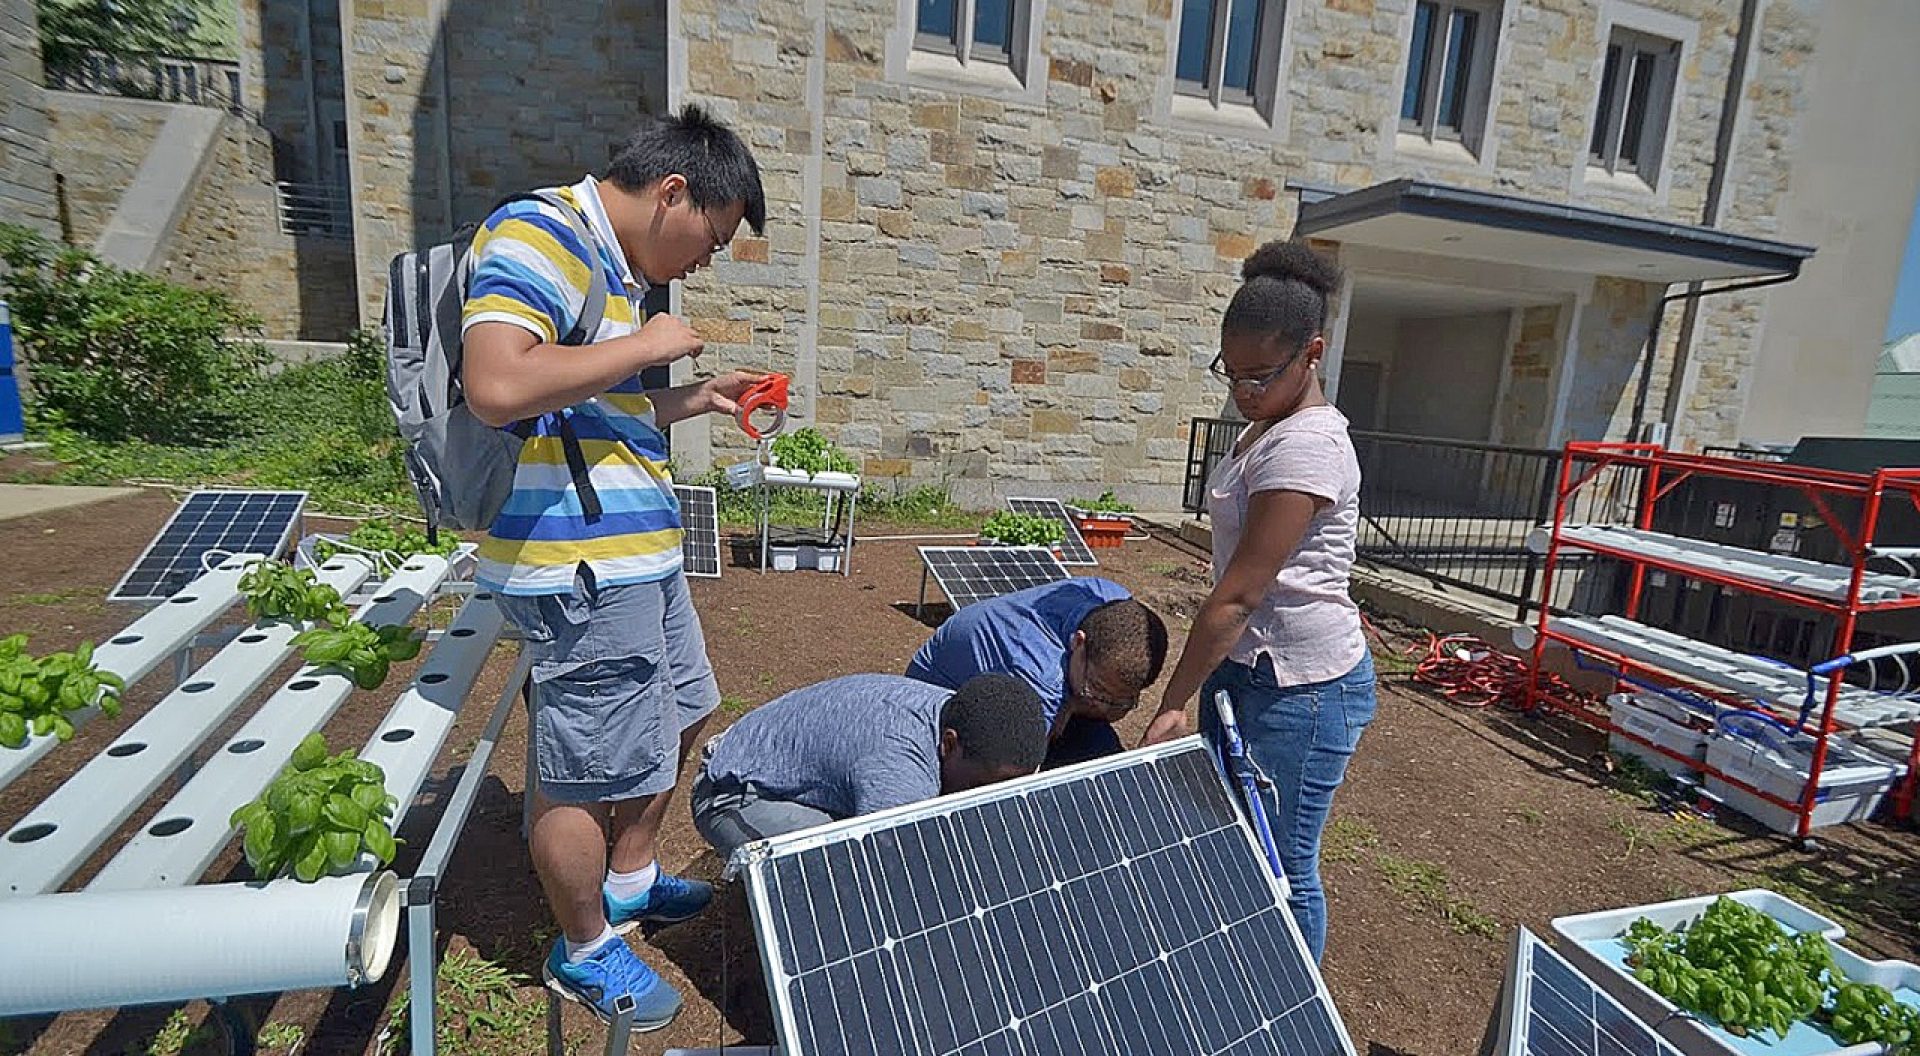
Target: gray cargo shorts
{"points": [[618, 672]]}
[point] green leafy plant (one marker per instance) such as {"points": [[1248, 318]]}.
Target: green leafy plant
{"points": [[1735, 964], [121, 354], [276, 590], [1022, 529], [124, 29], [1106, 503], [1860, 1012], [318, 815], [381, 536], [361, 652], [807, 451], [37, 694]]}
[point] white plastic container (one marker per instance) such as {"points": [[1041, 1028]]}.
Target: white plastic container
{"points": [[1666, 723], [796, 558], [1592, 941], [1852, 782], [742, 475]]}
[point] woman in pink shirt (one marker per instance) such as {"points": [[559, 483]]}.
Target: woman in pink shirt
{"points": [[1279, 631]]}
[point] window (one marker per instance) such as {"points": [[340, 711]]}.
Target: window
{"points": [[1229, 51], [974, 30], [1449, 70], [1636, 90]]}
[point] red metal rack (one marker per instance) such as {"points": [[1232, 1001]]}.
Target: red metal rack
{"points": [[1660, 471]]}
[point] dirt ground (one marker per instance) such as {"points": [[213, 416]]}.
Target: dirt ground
{"points": [[1454, 826]]}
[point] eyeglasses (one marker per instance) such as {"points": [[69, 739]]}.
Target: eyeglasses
{"points": [[1085, 692], [1219, 370], [719, 244]]}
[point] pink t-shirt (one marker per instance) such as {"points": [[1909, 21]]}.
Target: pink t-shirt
{"points": [[1308, 623]]}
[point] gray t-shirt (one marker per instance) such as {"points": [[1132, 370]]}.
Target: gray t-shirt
{"points": [[847, 746]]}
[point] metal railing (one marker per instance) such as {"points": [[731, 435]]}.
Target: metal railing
{"points": [[1745, 454], [165, 78], [1457, 513], [314, 209]]}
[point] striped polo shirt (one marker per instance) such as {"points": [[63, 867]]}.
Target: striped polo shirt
{"points": [[530, 270]]}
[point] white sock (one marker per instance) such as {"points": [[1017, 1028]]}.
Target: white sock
{"points": [[580, 951], [634, 884]]}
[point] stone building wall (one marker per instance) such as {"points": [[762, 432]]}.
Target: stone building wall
{"points": [[98, 144], [26, 175], [230, 240]]}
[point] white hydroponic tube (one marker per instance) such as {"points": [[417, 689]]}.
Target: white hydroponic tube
{"points": [[179, 944]]}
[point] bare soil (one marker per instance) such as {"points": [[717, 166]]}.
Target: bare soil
{"points": [[1454, 826]]}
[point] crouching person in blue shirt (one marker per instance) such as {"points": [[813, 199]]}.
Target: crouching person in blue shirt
{"points": [[1084, 645], [858, 745]]}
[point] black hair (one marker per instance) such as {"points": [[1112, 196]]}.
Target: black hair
{"points": [[1127, 640], [719, 168], [1283, 295], [997, 719]]}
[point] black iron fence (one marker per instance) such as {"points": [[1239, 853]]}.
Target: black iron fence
{"points": [[1459, 513], [166, 78]]}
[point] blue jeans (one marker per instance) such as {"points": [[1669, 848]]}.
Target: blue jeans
{"points": [[1301, 737]]}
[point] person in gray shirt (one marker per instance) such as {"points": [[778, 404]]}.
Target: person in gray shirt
{"points": [[860, 744]]}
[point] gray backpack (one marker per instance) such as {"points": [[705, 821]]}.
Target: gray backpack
{"points": [[462, 468]]}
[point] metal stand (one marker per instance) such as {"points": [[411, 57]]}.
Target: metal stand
{"points": [[826, 522]]}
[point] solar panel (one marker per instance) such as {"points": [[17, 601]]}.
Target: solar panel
{"points": [[1115, 906], [700, 521], [1551, 1009], [1073, 546], [967, 574], [233, 522]]}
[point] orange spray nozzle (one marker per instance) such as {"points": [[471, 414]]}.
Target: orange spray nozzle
{"points": [[769, 393]]}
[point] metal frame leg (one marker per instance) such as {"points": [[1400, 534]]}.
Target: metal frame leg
{"points": [[846, 555], [422, 967], [919, 607], [556, 1037], [766, 515], [238, 1028]]}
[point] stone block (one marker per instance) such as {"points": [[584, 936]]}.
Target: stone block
{"points": [[1053, 422]]}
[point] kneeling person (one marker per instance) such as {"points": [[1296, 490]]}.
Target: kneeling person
{"points": [[1083, 644], [857, 745]]}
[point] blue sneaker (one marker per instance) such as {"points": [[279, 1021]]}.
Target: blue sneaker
{"points": [[613, 970], [669, 901]]}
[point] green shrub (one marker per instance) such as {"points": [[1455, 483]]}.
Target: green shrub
{"points": [[1022, 529], [122, 355]]}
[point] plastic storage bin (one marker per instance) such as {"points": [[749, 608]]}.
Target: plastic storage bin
{"points": [[1666, 723], [1852, 782]]}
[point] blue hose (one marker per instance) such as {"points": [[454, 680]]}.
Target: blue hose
{"points": [[1233, 752]]}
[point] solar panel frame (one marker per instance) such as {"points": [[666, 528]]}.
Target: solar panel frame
{"points": [[700, 530], [1541, 1021], [959, 594], [1073, 546], [925, 912], [171, 559]]}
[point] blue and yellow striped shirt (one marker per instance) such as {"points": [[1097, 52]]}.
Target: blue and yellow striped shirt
{"points": [[530, 270]]}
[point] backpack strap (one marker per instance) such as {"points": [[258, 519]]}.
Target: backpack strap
{"points": [[593, 309]]}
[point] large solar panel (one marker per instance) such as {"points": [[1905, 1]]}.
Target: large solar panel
{"points": [[967, 574], [1550, 1009], [1073, 546], [700, 524], [1117, 906], [230, 522]]}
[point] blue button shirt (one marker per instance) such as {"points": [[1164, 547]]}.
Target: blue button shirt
{"points": [[1023, 634]]}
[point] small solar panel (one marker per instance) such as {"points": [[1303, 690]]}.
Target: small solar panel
{"points": [[1553, 1010], [1117, 906], [231, 522], [967, 574], [1073, 547], [700, 524]]}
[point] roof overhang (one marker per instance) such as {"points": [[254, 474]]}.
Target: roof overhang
{"points": [[1420, 217]]}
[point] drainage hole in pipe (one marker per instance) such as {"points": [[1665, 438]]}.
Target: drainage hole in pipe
{"points": [[121, 751], [332, 566], [252, 638], [170, 827], [303, 685], [127, 639], [462, 632], [396, 736], [483, 597], [433, 679], [31, 833], [182, 599], [251, 744], [196, 687]]}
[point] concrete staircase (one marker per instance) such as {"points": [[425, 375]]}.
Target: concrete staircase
{"points": [[152, 207]]}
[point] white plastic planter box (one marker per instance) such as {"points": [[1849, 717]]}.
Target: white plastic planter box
{"points": [[795, 558], [1662, 721], [460, 563], [742, 475], [1852, 783], [1593, 942]]}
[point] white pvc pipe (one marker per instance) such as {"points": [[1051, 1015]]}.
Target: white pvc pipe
{"points": [[106, 949]]}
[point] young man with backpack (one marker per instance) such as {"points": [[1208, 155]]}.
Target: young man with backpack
{"points": [[543, 434]]}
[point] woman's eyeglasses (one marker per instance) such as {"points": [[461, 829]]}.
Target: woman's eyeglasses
{"points": [[1219, 370]]}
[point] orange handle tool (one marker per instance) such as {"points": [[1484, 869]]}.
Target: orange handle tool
{"points": [[768, 392]]}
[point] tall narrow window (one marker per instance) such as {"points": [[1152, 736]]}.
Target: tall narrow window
{"points": [[1636, 92], [974, 30], [1228, 51], [1450, 70]]}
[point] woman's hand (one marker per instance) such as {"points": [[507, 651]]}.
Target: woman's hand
{"points": [[721, 394], [1165, 727]]}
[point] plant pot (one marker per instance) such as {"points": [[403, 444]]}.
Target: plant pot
{"points": [[1103, 531]]}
